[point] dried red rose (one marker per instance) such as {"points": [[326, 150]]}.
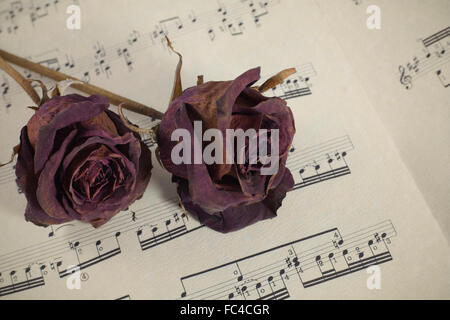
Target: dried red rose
{"points": [[78, 161], [228, 197]]}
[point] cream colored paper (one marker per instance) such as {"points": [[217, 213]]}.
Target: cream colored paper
{"points": [[355, 202], [404, 67]]}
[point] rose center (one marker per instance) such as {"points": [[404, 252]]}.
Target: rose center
{"points": [[98, 178]]}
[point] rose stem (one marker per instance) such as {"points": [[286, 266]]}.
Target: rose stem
{"points": [[83, 86], [26, 85]]}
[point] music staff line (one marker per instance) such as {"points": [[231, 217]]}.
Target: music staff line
{"points": [[320, 151], [86, 236], [276, 272], [297, 85], [309, 256], [163, 222], [136, 42], [162, 209], [320, 163], [228, 13], [7, 174], [279, 267], [240, 277], [29, 283], [435, 59]]}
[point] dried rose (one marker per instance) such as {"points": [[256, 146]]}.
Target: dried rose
{"points": [[228, 197], [78, 161]]}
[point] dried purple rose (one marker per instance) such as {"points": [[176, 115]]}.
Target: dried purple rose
{"points": [[78, 161], [228, 197]]}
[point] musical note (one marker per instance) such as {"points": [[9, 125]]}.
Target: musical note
{"points": [[405, 79], [321, 162], [101, 63], [101, 254], [31, 277], [309, 261], [171, 226], [297, 85], [435, 60]]}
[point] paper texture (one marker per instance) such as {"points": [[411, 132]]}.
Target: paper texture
{"points": [[404, 67], [355, 203]]}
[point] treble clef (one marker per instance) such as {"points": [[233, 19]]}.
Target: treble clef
{"points": [[404, 78]]}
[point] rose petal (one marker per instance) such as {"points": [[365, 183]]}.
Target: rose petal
{"points": [[78, 112], [27, 182], [47, 112], [201, 186], [47, 191], [120, 198], [236, 218], [144, 166]]}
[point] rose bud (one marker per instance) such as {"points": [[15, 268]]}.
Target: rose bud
{"points": [[227, 195], [77, 161]]}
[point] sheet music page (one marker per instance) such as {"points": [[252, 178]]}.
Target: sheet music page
{"points": [[405, 68], [354, 205]]}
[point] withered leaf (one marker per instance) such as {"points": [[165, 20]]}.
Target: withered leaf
{"points": [[13, 154], [276, 79], [177, 87]]}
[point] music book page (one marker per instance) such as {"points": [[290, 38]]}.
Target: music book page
{"points": [[405, 68], [356, 224]]}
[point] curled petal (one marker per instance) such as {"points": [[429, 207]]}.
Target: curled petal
{"points": [[238, 217], [27, 182], [77, 112]]}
